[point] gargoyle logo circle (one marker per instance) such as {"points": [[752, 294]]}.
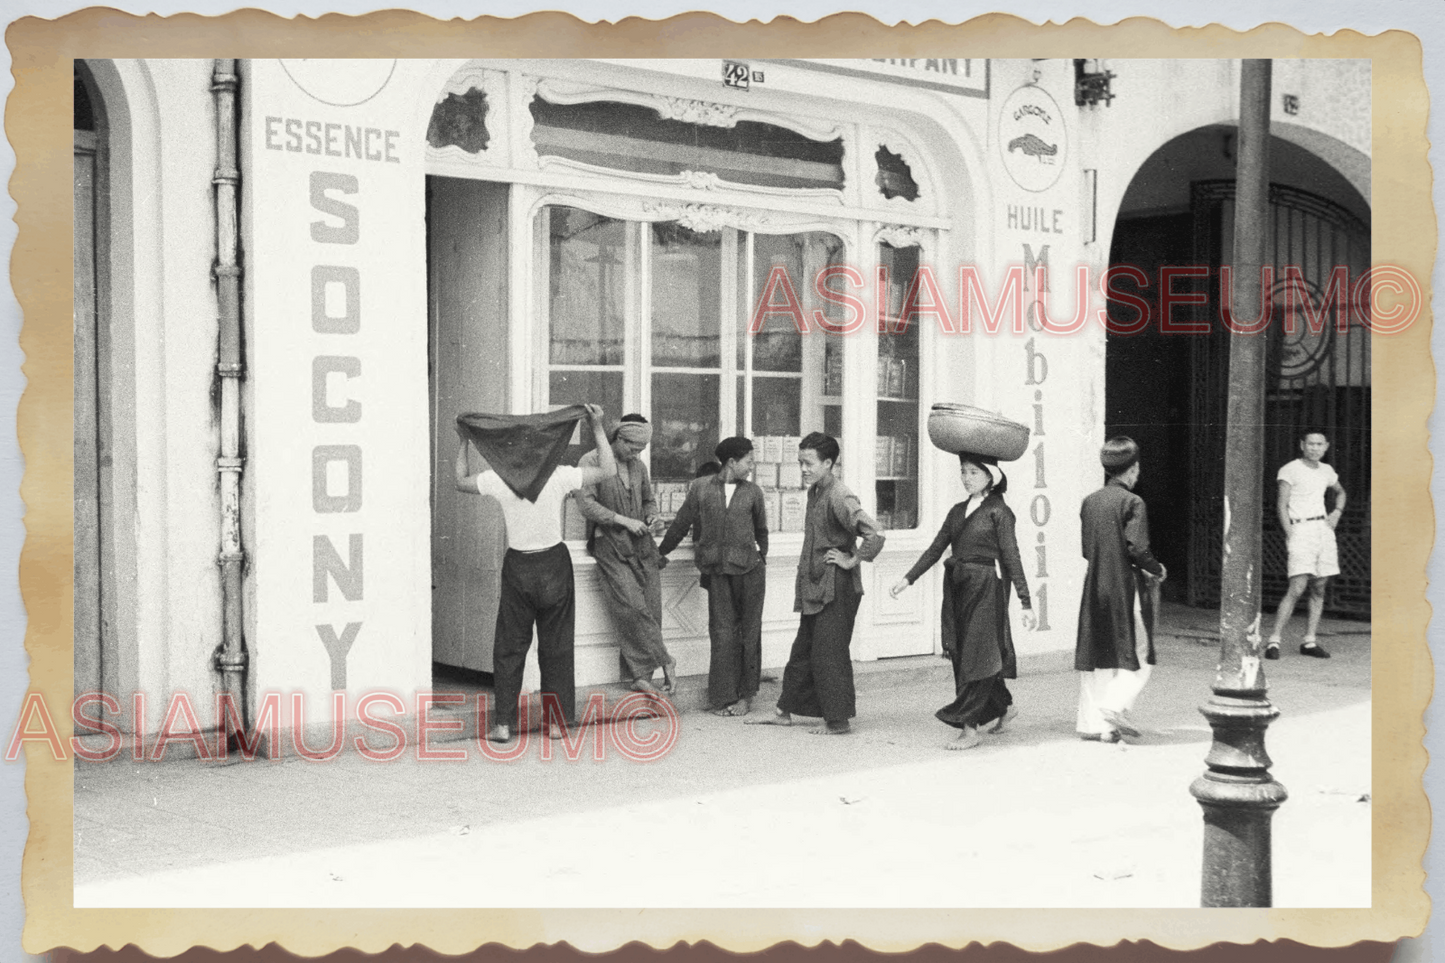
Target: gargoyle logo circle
{"points": [[1032, 139]]}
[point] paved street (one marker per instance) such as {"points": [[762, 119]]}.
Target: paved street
{"points": [[738, 816]]}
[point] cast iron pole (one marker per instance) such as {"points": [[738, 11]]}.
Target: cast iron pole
{"points": [[1237, 792]]}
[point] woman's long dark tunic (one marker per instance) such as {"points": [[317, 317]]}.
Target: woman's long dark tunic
{"points": [[975, 599]]}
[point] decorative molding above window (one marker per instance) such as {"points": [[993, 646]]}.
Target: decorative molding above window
{"points": [[698, 112], [900, 171], [707, 218], [468, 124], [701, 180], [521, 89], [697, 144], [900, 235]]}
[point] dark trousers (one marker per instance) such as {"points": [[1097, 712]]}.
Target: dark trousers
{"points": [[818, 680], [536, 587], [735, 626], [634, 597]]}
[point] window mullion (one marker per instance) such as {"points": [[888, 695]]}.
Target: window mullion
{"points": [[731, 327], [750, 275], [637, 377]]}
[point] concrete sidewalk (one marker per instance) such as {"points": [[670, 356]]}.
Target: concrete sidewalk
{"points": [[737, 816]]}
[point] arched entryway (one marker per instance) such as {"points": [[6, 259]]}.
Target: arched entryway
{"points": [[1169, 391]]}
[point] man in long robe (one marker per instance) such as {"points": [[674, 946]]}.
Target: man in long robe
{"points": [[1115, 650], [620, 512]]}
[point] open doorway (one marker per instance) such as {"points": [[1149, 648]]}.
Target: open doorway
{"points": [[1169, 392], [467, 349]]}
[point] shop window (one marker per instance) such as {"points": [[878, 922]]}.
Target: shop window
{"points": [[896, 452], [653, 317], [894, 178], [630, 137], [460, 120]]}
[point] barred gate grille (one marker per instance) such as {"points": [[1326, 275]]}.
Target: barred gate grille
{"points": [[1319, 381]]}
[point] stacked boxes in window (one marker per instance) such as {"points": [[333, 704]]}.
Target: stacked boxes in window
{"points": [[776, 472], [883, 456]]}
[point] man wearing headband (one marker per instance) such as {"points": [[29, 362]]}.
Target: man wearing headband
{"points": [[724, 512], [1115, 650], [620, 511]]}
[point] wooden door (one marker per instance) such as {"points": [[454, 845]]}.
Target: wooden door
{"points": [[467, 237]]}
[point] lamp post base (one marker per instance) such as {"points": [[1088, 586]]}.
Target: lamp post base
{"points": [[1239, 797]]}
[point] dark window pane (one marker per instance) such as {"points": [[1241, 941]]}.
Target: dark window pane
{"points": [[777, 406], [685, 420]]}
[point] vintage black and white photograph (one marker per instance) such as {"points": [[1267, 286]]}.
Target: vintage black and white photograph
{"points": [[724, 483]]}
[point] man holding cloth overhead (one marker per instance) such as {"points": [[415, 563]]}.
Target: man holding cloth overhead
{"points": [[522, 471]]}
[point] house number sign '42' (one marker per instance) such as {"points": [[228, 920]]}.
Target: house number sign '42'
{"points": [[740, 75]]}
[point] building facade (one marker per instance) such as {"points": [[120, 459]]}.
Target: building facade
{"points": [[292, 275]]}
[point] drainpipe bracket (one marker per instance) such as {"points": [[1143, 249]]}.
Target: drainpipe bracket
{"points": [[226, 176], [230, 463], [231, 369], [232, 663], [226, 270]]}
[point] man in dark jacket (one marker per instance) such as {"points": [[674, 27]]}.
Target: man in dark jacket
{"points": [[1115, 650], [730, 547], [838, 535]]}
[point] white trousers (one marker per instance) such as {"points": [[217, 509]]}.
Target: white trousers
{"points": [[1114, 689]]}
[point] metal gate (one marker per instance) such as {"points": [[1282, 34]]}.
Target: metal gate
{"points": [[1316, 380]]}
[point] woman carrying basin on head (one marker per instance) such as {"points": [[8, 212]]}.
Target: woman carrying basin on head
{"points": [[976, 635]]}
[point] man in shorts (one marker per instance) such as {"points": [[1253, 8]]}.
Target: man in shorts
{"points": [[1309, 532]]}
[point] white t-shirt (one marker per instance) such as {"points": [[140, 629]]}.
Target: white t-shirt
{"points": [[730, 487], [1307, 487], [533, 525]]}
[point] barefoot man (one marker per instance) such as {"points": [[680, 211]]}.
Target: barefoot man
{"points": [[837, 535], [620, 512], [725, 513], [520, 455]]}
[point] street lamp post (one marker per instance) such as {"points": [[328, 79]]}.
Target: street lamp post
{"points": [[1237, 792]]}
